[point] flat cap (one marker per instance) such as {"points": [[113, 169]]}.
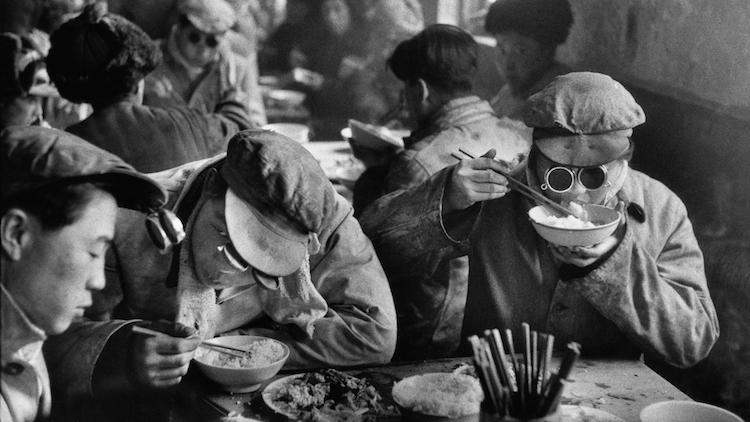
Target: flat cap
{"points": [[583, 118], [278, 196], [209, 16], [32, 157]]}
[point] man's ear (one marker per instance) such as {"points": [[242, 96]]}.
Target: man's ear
{"points": [[14, 233]]}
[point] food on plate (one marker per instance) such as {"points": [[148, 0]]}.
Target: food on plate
{"points": [[260, 353], [439, 394], [327, 394], [567, 222]]}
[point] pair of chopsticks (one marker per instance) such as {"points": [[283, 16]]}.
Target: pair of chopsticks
{"points": [[521, 387], [522, 188], [234, 351]]}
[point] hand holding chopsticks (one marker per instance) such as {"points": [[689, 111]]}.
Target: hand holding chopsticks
{"points": [[234, 351], [521, 187], [523, 388]]}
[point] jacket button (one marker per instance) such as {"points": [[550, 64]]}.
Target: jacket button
{"points": [[13, 368]]}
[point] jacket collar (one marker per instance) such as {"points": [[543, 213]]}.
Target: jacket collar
{"points": [[20, 337], [456, 112]]}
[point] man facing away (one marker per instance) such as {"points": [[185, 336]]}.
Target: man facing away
{"points": [[437, 67]]}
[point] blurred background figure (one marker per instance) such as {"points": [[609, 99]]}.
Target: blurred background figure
{"points": [[527, 33], [24, 83], [335, 51], [102, 59], [199, 69]]}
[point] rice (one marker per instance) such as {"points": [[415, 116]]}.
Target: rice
{"points": [[439, 394], [261, 353], [567, 222]]}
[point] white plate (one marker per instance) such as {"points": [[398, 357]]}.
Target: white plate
{"points": [[586, 414], [272, 391]]}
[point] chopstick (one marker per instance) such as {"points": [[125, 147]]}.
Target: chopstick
{"points": [[234, 351], [235, 294], [521, 389], [523, 188]]}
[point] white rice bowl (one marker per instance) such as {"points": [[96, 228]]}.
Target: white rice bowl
{"points": [[439, 394]]}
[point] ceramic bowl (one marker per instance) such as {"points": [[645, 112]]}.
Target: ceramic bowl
{"points": [[295, 131], [605, 222], [686, 411], [242, 379]]}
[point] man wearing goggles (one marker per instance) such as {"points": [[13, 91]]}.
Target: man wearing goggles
{"points": [[199, 69], [640, 291]]}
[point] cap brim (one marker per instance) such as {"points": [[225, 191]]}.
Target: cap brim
{"points": [[584, 150], [133, 190], [265, 244]]}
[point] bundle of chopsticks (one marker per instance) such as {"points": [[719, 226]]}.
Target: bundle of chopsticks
{"points": [[522, 386]]}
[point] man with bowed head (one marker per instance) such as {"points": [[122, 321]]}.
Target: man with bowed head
{"points": [[270, 249], [59, 204], [641, 290]]}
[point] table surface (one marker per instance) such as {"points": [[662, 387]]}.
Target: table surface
{"points": [[619, 387]]}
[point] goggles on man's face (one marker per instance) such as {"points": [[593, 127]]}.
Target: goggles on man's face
{"points": [[197, 37], [561, 179]]}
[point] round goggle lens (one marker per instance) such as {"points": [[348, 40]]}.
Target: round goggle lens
{"points": [[194, 37], [592, 178], [559, 179]]}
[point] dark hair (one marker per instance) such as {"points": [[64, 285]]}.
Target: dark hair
{"points": [[443, 55], [99, 57], [56, 204], [547, 21]]}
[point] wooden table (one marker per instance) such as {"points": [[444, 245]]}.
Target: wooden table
{"points": [[619, 387]]}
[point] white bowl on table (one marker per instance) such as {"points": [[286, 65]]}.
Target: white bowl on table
{"points": [[605, 221], [686, 411], [295, 131], [234, 375], [374, 137], [286, 97]]}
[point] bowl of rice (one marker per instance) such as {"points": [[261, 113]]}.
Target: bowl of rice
{"points": [[599, 223], [239, 373], [436, 396]]}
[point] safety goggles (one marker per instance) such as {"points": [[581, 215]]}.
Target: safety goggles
{"points": [[210, 41], [561, 179]]}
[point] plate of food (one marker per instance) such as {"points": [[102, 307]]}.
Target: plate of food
{"points": [[328, 394]]}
